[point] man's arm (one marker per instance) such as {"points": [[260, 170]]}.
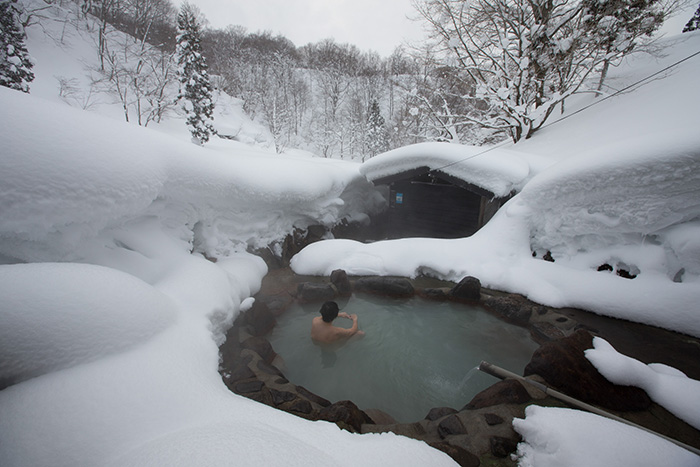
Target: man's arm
{"points": [[349, 332]]}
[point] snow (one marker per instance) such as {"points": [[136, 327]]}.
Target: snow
{"points": [[622, 197], [111, 314], [84, 316], [666, 386], [112, 309], [499, 171], [557, 437]]}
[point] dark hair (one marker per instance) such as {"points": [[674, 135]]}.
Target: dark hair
{"points": [[329, 311]]}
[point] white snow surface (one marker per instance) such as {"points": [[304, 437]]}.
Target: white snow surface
{"points": [[111, 331], [611, 194], [499, 171], [665, 385], [557, 437], [118, 362]]}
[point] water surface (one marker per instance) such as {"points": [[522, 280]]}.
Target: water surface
{"points": [[416, 354]]}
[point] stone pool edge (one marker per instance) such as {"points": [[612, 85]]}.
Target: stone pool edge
{"points": [[480, 432]]}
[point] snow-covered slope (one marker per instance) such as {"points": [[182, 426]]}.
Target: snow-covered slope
{"points": [[111, 333], [109, 336], [614, 196]]}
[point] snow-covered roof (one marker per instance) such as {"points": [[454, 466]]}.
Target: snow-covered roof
{"points": [[499, 171]]}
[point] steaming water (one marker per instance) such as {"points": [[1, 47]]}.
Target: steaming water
{"points": [[416, 354]]}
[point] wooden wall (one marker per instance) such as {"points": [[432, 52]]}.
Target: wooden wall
{"points": [[425, 209]]}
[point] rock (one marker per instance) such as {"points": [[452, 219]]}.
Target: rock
{"points": [[261, 346], [240, 372], [468, 290], [492, 419], [299, 239], [451, 425], [435, 294], [502, 447], [246, 387], [345, 412], [301, 406], [312, 397], [280, 397], [269, 369], [387, 286], [308, 292], [563, 365], [259, 319], [277, 304], [512, 308], [459, 455], [508, 391], [439, 412], [339, 279], [544, 332], [379, 417]]}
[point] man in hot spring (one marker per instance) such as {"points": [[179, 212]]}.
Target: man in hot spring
{"points": [[323, 331]]}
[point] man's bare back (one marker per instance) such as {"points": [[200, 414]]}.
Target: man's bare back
{"points": [[322, 329]]}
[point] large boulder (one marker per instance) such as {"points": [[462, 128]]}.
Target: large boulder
{"points": [[451, 425], [508, 391], [468, 290], [563, 365], [387, 286], [340, 281], [260, 319]]}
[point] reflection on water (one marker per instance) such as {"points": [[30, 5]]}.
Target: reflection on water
{"points": [[415, 354]]}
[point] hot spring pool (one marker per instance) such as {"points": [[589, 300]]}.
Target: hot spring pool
{"points": [[416, 354]]}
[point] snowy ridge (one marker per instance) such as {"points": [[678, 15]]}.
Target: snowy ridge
{"points": [[56, 198], [499, 171]]}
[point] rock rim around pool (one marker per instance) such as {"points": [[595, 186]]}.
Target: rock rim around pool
{"points": [[482, 429]]}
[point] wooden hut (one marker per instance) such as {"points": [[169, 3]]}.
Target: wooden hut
{"points": [[444, 190], [425, 203]]}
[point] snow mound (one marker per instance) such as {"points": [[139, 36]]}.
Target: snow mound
{"points": [[88, 174], [617, 194], [499, 171], [556, 437], [666, 386], [55, 316]]}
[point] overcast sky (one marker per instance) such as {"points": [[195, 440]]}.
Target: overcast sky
{"points": [[379, 25]]}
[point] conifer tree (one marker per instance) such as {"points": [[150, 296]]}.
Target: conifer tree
{"points": [[195, 87], [694, 22], [15, 64], [376, 133]]}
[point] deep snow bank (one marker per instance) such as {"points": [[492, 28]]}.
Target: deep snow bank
{"points": [[54, 316], [120, 361], [68, 175], [556, 437], [624, 191]]}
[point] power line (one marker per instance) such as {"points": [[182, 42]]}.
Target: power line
{"points": [[596, 102]]}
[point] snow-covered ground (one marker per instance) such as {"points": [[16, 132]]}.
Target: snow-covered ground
{"points": [[111, 314]]}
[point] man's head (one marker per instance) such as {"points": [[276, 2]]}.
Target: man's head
{"points": [[329, 311]]}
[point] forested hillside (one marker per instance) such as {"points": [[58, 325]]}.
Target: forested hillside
{"points": [[469, 83]]}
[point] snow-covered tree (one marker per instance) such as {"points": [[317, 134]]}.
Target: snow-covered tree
{"points": [[616, 26], [15, 63], [195, 87], [520, 55], [376, 131], [694, 22], [526, 57]]}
